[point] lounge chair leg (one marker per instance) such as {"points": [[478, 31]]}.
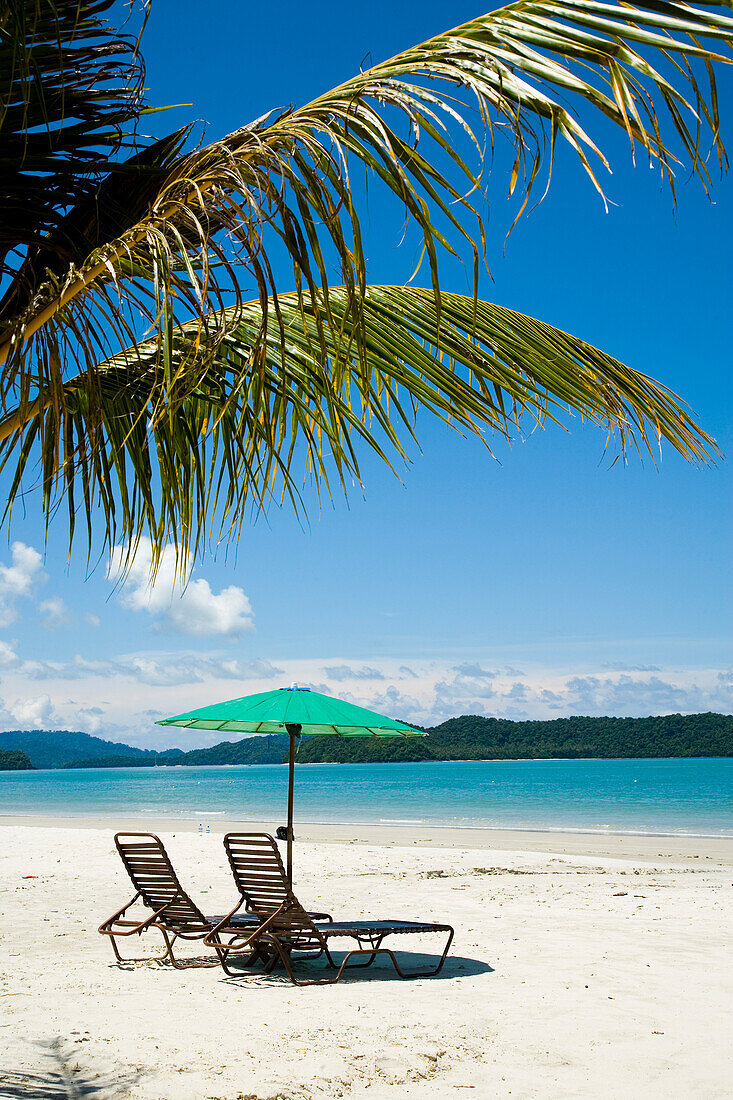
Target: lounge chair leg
{"points": [[420, 973], [372, 952], [114, 948], [169, 945], [374, 947], [329, 958], [270, 963], [223, 950], [168, 954], [283, 955], [251, 958]]}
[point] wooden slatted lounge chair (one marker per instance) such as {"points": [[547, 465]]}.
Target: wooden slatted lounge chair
{"points": [[285, 927], [174, 914]]}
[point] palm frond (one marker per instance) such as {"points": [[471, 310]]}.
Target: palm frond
{"points": [[187, 456], [525, 71], [223, 397], [71, 91]]}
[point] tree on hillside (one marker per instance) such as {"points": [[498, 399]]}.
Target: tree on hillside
{"points": [[142, 388]]}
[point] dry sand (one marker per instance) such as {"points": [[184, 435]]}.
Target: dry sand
{"points": [[582, 966]]}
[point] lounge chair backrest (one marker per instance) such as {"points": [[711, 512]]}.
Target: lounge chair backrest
{"points": [[146, 862], [258, 870], [260, 877]]}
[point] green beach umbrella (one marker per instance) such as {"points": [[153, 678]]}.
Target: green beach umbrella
{"points": [[294, 711]]}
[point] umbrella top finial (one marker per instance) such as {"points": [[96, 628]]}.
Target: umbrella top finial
{"points": [[295, 687]]}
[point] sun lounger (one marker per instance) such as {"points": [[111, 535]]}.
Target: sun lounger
{"points": [[173, 914], [285, 927]]}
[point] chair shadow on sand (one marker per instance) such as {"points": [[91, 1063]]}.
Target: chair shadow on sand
{"points": [[192, 962], [63, 1076], [455, 966], [381, 970]]}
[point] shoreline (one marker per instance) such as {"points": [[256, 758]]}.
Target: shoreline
{"points": [[624, 846], [368, 763]]}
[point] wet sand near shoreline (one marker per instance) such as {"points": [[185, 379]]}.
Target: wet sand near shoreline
{"points": [[678, 849]]}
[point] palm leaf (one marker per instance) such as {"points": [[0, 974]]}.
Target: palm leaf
{"points": [[179, 459], [168, 262], [71, 90], [286, 178]]}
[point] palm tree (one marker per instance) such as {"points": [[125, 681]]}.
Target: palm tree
{"points": [[143, 390]]}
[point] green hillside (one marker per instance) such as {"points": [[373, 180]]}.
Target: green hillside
{"points": [[14, 761], [54, 748], [119, 760], [472, 737], [251, 750]]}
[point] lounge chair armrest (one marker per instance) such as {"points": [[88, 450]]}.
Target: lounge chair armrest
{"points": [[255, 934], [158, 913], [225, 920], [134, 927], [120, 913]]}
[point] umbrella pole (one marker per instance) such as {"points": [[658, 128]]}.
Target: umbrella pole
{"points": [[294, 731]]}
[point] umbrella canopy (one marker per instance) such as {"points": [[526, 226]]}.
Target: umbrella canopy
{"points": [[274, 711], [294, 711]]}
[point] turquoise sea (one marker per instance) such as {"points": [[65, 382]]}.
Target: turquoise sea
{"points": [[672, 797]]}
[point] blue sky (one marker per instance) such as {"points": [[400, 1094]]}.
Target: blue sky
{"points": [[539, 583]]}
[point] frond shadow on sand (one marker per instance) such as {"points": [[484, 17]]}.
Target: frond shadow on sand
{"points": [[61, 1075]]}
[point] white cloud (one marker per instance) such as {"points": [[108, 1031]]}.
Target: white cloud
{"points": [[119, 697], [161, 668], [438, 692], [346, 672], [466, 692], [545, 694], [31, 714], [622, 666], [390, 701], [8, 657], [627, 696], [18, 579], [190, 609], [91, 620], [54, 612], [473, 671], [93, 720]]}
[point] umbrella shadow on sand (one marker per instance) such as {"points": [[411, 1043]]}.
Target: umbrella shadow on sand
{"points": [[62, 1075], [381, 970]]}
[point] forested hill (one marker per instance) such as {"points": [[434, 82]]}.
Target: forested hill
{"points": [[54, 748], [475, 738], [14, 761], [472, 737]]}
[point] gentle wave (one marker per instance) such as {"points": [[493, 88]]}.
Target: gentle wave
{"points": [[402, 821]]}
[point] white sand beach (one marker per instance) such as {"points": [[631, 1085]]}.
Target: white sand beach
{"points": [[582, 966]]}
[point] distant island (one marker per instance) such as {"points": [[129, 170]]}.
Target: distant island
{"points": [[470, 737], [13, 760]]}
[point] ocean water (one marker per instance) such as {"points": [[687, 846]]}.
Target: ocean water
{"points": [[666, 797]]}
